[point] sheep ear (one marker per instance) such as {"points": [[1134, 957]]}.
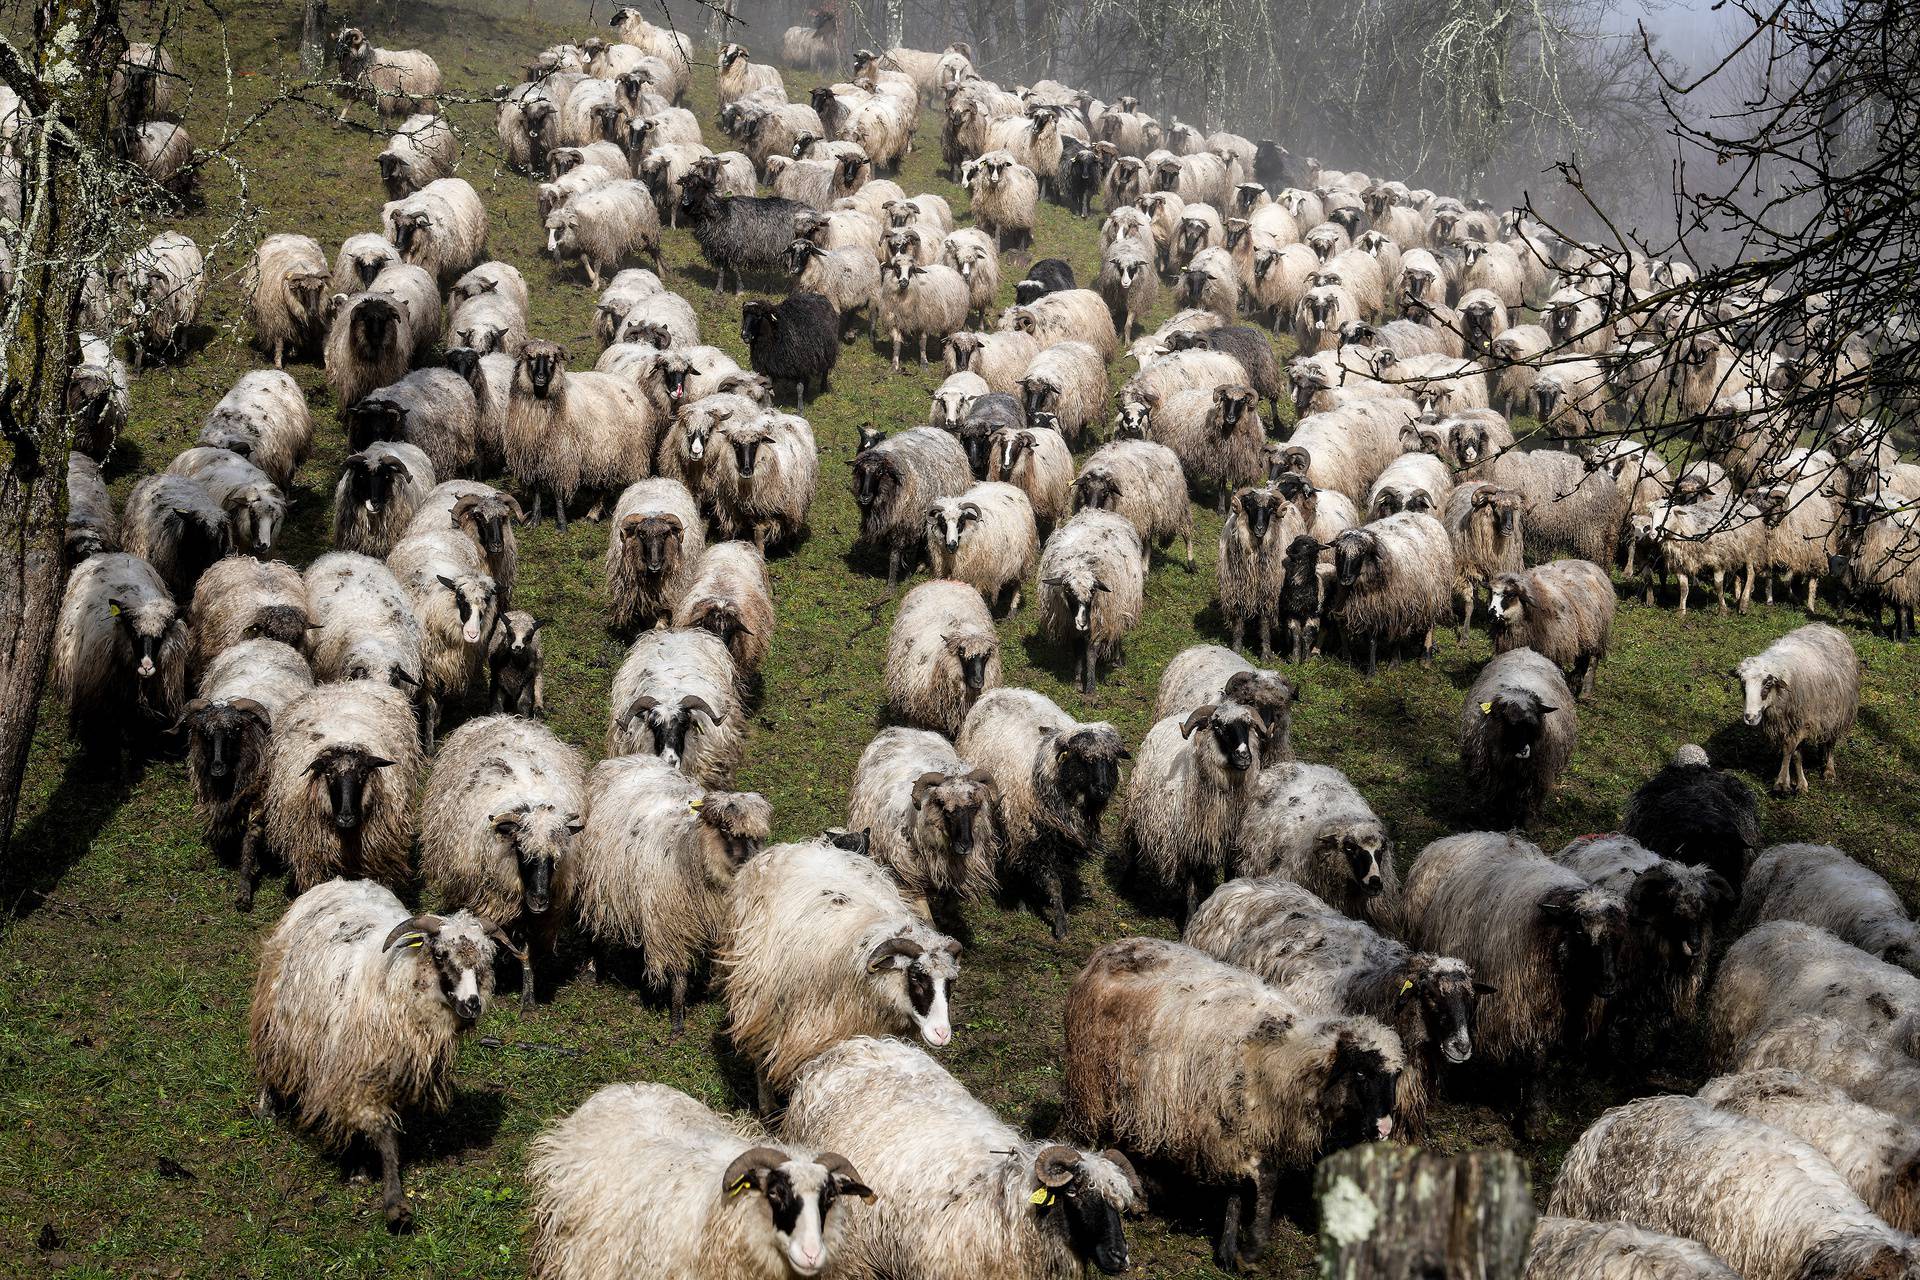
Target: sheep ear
{"points": [[447, 582], [1199, 719], [748, 1172], [1485, 989]]}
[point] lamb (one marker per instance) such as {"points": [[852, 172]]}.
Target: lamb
{"points": [[360, 261], [120, 644], [1518, 728], [357, 1013], [457, 604], [423, 150], [397, 81], [379, 490], [341, 765], [928, 816], [1563, 611], [630, 1142], [1310, 825], [572, 431], [175, 525], [1069, 380], [1802, 691], [1690, 809], [969, 252], [1546, 941], [847, 278], [893, 482], [769, 489], [942, 654], [1053, 777], [515, 666], [1005, 196], [1414, 481], [498, 824], [669, 677], [1395, 581], [370, 344], [164, 283], [92, 527], [363, 625], [1068, 315], [822, 947], [286, 287], [1262, 1084], [432, 409], [1616, 1251], [441, 228], [1001, 359], [860, 1095], [1188, 794], [984, 537], [1037, 461], [241, 598], [1096, 553], [1329, 964], [919, 301], [1142, 482], [604, 227], [1819, 885], [1709, 1162], [737, 233]]}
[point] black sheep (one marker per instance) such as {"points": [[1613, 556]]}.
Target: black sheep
{"points": [[1250, 347], [796, 340], [1083, 173], [997, 409], [1693, 812], [1271, 165], [1049, 275], [737, 233], [1300, 595]]}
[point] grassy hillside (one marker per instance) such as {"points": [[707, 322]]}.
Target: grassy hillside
{"points": [[127, 1146]]}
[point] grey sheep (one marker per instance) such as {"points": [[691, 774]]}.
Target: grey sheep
{"points": [[92, 526], [488, 323], [730, 596], [942, 654], [1484, 523], [341, 767], [1209, 673], [422, 150], [677, 696], [503, 809], [1311, 825], [1817, 884], [950, 402], [1093, 573], [1053, 777], [1518, 728], [734, 1207], [1141, 481], [1836, 1053], [1563, 611], [1255, 538], [568, 431], [264, 419], [441, 228], [362, 622], [847, 278], [254, 505], [174, 524], [1547, 942], [1803, 693], [1330, 964], [894, 480], [484, 514], [1069, 380], [286, 295], [1395, 583], [1037, 461], [163, 284], [379, 490], [120, 645], [1784, 969], [1678, 1165], [370, 344], [1569, 1247], [241, 598], [515, 666], [1172, 1054], [97, 397], [984, 537], [653, 542], [605, 227], [822, 947], [457, 604], [433, 409], [358, 1011], [999, 358], [866, 1094], [928, 817], [1192, 780], [1570, 511], [1216, 434], [359, 262], [396, 81]]}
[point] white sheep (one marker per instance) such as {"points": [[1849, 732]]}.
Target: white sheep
{"points": [[985, 537], [677, 696], [1192, 779], [1803, 692], [1092, 583], [942, 654], [286, 286], [928, 817]]}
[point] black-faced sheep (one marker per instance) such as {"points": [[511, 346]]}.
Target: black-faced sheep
{"points": [[764, 481], [264, 419], [441, 228], [984, 537], [1208, 673], [928, 816], [1483, 521], [120, 646], [1569, 510], [241, 598], [1309, 824], [254, 505], [1259, 528], [795, 340], [568, 431], [484, 514], [1802, 692], [654, 539], [424, 149], [1188, 795], [1395, 583], [894, 481], [1819, 885], [369, 345], [379, 490], [1140, 481], [434, 409], [1518, 728], [1172, 1054], [942, 654], [457, 604], [677, 696], [1093, 574]]}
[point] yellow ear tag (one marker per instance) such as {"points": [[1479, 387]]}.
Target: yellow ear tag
{"points": [[1043, 1197], [740, 1184], [1486, 708], [113, 611], [1406, 986], [694, 805], [416, 944]]}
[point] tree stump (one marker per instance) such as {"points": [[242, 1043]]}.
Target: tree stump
{"points": [[1390, 1212]]}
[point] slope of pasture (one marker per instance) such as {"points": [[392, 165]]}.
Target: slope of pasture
{"points": [[127, 1146]]}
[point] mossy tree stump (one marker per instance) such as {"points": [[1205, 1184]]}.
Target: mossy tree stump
{"points": [[1389, 1212]]}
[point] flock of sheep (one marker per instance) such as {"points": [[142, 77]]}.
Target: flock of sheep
{"points": [[1317, 992]]}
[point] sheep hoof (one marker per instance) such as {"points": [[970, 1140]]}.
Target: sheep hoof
{"points": [[399, 1218]]}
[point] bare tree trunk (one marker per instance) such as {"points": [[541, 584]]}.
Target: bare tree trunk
{"points": [[896, 23], [32, 579], [313, 37], [1388, 1212]]}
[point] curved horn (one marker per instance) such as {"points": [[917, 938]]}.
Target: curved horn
{"points": [[428, 925], [694, 702], [1199, 718], [889, 949], [1055, 1165], [839, 1166], [741, 1174], [1125, 1166], [501, 940]]}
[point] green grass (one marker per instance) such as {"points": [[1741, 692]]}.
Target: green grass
{"points": [[125, 970]]}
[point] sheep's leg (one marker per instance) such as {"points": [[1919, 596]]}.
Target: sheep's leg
{"points": [[1427, 649], [1239, 630], [1266, 638], [679, 998], [559, 511], [279, 350], [1720, 591], [1583, 672], [1193, 898], [1813, 589], [1686, 589], [1770, 577], [249, 866], [1632, 545], [1086, 669], [263, 1104], [1056, 891], [1226, 1250], [1827, 770], [429, 722], [1783, 778], [1800, 769], [392, 1197], [529, 993], [534, 518], [893, 567], [1464, 598], [896, 351], [1189, 551], [763, 1092], [1265, 1183], [593, 274], [1646, 596], [1373, 654]]}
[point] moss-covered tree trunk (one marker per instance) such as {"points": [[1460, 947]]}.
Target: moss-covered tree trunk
{"points": [[1389, 1212]]}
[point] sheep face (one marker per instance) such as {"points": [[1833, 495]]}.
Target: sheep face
{"points": [[480, 335], [485, 518], [1363, 847], [226, 742], [1082, 591], [1515, 723], [1257, 509], [255, 512], [722, 619], [1356, 553], [1231, 405], [1478, 320], [542, 363], [372, 484], [200, 538], [1234, 732], [1590, 926], [1415, 282], [653, 542], [371, 660], [1348, 218], [961, 348], [1764, 691], [667, 725], [1098, 490], [1095, 1192], [518, 637], [918, 982], [1470, 442], [462, 952], [951, 812], [1307, 378], [1325, 241], [341, 773], [375, 326], [477, 600], [1504, 507], [1547, 394], [1360, 1092], [563, 234], [799, 253], [536, 839], [374, 419], [565, 160], [949, 520], [1040, 393], [1678, 911], [748, 444], [951, 405], [800, 1196], [972, 650], [875, 479], [1086, 768], [1322, 306], [306, 292], [411, 228], [1445, 997], [1135, 418], [734, 825], [976, 438]]}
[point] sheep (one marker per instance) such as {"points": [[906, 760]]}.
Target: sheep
{"points": [[766, 493], [484, 514], [816, 46], [1690, 809], [120, 644], [241, 598], [433, 409], [1411, 482], [984, 537], [1128, 284], [1563, 1247], [423, 150], [487, 324], [796, 340], [502, 811], [605, 226], [1801, 532], [1261, 1084], [341, 765], [629, 1142], [1344, 449], [645, 134], [1832, 1052], [1568, 510], [950, 402], [1049, 275], [729, 596], [359, 262], [1784, 969], [528, 125], [1037, 461], [625, 291], [1069, 380], [921, 245], [1096, 553], [568, 430], [285, 287], [1209, 673], [174, 524], [894, 480], [254, 506], [1546, 941], [163, 152], [1069, 315], [1680, 1165], [821, 947], [669, 677], [919, 301], [142, 86], [1819, 885], [164, 283], [1329, 964], [942, 654], [1053, 777], [1514, 357], [1000, 359], [1187, 796], [357, 1014], [1483, 522], [1803, 692], [491, 377], [92, 527], [665, 321], [1562, 611], [441, 228], [380, 489], [1310, 825], [362, 622], [1250, 562], [1142, 482], [928, 816], [1260, 370], [847, 278], [397, 81], [1395, 582], [737, 233], [97, 397], [738, 76], [1518, 728], [655, 538], [861, 1094], [457, 604], [1004, 198], [369, 345], [1881, 571], [1871, 1150]]}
